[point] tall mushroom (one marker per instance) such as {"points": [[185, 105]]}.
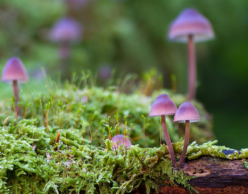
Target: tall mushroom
{"points": [[190, 26], [163, 106], [14, 71], [186, 113], [65, 32]]}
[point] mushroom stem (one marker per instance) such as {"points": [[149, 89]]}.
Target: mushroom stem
{"points": [[168, 141], [16, 93], [191, 68], [64, 51], [186, 143]]}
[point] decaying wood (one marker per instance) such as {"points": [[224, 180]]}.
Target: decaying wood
{"points": [[213, 175], [203, 190], [216, 172]]}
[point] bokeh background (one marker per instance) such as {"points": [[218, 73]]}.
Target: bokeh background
{"points": [[130, 36]]}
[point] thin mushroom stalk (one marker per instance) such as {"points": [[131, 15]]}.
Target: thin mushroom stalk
{"points": [[186, 113], [191, 68], [190, 26], [168, 141], [65, 31], [163, 106], [16, 93], [186, 143], [64, 51], [14, 72]]}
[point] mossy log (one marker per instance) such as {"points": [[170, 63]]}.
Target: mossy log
{"points": [[213, 175]]}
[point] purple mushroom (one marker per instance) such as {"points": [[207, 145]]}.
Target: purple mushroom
{"points": [[186, 113], [163, 106], [190, 26], [120, 140], [66, 31], [14, 72]]}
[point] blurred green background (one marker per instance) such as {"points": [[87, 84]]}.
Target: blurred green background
{"points": [[130, 36]]}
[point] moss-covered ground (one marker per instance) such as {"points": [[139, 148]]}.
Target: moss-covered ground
{"points": [[31, 161]]}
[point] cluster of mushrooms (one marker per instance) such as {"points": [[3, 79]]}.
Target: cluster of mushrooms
{"points": [[162, 106], [190, 26], [186, 113]]}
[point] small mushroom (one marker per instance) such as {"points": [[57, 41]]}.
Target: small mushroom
{"points": [[14, 72], [191, 26], [120, 140], [66, 31], [163, 106], [186, 113]]}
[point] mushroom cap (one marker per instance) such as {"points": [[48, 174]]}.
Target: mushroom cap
{"points": [[66, 30], [162, 105], [14, 70], [186, 112], [120, 140], [190, 22]]}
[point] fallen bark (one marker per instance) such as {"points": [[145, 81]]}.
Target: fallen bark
{"points": [[216, 172], [202, 190], [212, 175]]}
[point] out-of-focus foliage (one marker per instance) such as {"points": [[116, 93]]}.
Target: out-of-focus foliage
{"points": [[128, 35]]}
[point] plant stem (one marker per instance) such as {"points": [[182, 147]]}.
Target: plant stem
{"points": [[90, 137], [191, 68], [83, 132], [47, 122], [168, 141], [57, 140], [186, 143], [16, 93], [25, 113], [144, 132]]}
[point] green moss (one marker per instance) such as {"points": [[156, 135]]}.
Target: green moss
{"points": [[96, 109], [29, 164], [31, 161]]}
